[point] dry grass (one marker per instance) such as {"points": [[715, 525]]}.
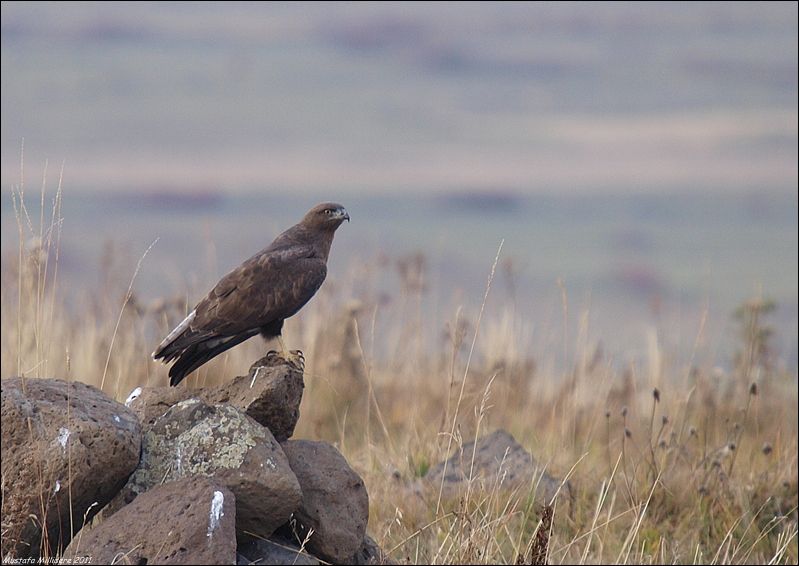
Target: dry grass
{"points": [[668, 464]]}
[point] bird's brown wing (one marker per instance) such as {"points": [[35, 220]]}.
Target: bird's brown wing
{"points": [[270, 286]]}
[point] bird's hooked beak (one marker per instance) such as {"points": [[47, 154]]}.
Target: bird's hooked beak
{"points": [[343, 214]]}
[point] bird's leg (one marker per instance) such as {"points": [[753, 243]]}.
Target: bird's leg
{"points": [[283, 351], [294, 357]]}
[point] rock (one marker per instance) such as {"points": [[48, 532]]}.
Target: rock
{"points": [[370, 553], [498, 460], [193, 438], [149, 403], [334, 500], [274, 550], [270, 394], [62, 442], [189, 521]]}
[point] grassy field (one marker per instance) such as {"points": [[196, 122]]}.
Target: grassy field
{"points": [[668, 463]]}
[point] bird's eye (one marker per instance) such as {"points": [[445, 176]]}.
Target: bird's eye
{"points": [[328, 211]]}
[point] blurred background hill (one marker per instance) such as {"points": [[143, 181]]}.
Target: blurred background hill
{"points": [[641, 156]]}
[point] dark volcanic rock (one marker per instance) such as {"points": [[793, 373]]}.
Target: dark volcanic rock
{"points": [[270, 394], [193, 438], [189, 521], [274, 550], [62, 442], [498, 461], [149, 403], [370, 553], [334, 500]]}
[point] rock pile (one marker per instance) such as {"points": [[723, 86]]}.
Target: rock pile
{"points": [[182, 476]]}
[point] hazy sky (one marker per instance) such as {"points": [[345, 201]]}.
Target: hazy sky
{"points": [[518, 98]]}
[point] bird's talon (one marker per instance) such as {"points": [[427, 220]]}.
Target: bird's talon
{"points": [[297, 358]]}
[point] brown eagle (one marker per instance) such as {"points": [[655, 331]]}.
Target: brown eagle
{"points": [[257, 296]]}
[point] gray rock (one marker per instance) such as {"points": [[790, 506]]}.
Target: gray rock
{"points": [[498, 461], [334, 500], [370, 553], [68, 448], [193, 438], [189, 521], [270, 394], [149, 403], [274, 550]]}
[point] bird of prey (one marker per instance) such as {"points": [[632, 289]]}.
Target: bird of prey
{"points": [[257, 296]]}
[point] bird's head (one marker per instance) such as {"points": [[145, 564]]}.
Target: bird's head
{"points": [[326, 216]]}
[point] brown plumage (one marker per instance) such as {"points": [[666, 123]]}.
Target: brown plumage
{"points": [[256, 297]]}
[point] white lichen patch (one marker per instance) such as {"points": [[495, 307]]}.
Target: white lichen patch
{"points": [[63, 437], [216, 512], [133, 396], [57, 487], [116, 418], [176, 448]]}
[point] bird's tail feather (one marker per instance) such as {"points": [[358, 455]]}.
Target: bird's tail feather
{"points": [[181, 337], [196, 355]]}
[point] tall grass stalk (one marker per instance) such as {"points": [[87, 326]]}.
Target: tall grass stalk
{"points": [[386, 379]]}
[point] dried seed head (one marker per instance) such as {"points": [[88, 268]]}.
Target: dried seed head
{"points": [[627, 432], [656, 394], [715, 464], [692, 431], [662, 444], [624, 411], [665, 420], [767, 449], [702, 490], [753, 389], [732, 446], [607, 414]]}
